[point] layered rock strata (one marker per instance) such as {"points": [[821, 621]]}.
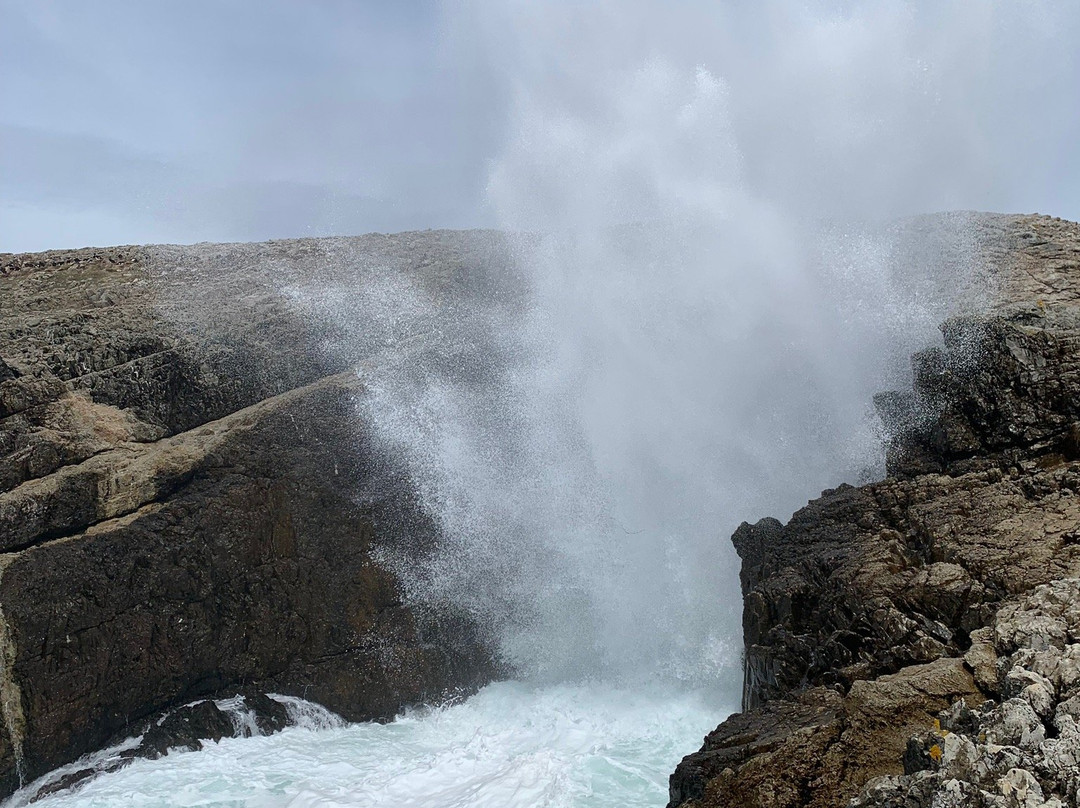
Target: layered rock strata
{"points": [[190, 500], [911, 642]]}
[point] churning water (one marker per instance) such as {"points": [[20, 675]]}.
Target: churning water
{"points": [[510, 746]]}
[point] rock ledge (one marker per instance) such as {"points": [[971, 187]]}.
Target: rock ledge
{"points": [[190, 500]]}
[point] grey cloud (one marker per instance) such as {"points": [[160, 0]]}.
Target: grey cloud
{"points": [[260, 118], [239, 120]]}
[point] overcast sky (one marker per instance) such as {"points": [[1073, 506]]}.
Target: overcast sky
{"points": [[150, 121], [222, 120]]}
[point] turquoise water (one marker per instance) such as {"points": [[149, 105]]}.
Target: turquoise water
{"points": [[510, 746]]}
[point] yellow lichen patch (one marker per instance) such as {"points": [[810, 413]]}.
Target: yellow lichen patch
{"points": [[935, 753]]}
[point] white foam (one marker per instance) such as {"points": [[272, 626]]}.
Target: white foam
{"points": [[309, 715], [510, 746]]}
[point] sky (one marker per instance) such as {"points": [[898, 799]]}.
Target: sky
{"points": [[221, 120], [235, 120]]}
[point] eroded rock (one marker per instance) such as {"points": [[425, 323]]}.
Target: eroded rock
{"points": [[1012, 754], [939, 605]]}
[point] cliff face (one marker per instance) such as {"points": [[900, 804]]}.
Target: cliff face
{"points": [[189, 500], [914, 642]]}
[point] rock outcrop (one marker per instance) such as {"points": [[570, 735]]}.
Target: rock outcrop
{"points": [[1020, 748], [183, 728], [189, 498], [912, 642]]}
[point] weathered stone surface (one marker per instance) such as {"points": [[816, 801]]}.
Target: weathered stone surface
{"points": [[767, 758], [866, 590], [189, 498], [1023, 750], [818, 747]]}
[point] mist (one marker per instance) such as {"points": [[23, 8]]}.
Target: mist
{"points": [[716, 262], [715, 212]]}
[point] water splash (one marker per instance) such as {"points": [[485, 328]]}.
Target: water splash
{"points": [[699, 342], [694, 338], [511, 746], [106, 764], [308, 715]]}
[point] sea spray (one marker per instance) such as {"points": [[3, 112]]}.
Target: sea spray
{"points": [[699, 343], [708, 284]]}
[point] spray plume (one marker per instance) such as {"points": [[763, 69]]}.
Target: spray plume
{"points": [[712, 285]]}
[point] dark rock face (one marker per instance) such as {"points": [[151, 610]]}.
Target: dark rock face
{"points": [[866, 616], [186, 729], [189, 500]]}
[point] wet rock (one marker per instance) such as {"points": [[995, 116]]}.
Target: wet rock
{"points": [[189, 500], [772, 761], [270, 715], [182, 729], [941, 604], [185, 729], [72, 780]]}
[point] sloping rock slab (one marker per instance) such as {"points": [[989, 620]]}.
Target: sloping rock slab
{"points": [[190, 502], [249, 564]]}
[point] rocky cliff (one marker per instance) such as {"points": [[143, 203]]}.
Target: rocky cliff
{"points": [[916, 641], [189, 499]]}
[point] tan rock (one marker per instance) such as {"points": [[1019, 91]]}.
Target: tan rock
{"points": [[958, 576]]}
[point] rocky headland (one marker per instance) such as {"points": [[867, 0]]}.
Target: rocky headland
{"points": [[194, 512], [190, 506], [915, 642]]}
